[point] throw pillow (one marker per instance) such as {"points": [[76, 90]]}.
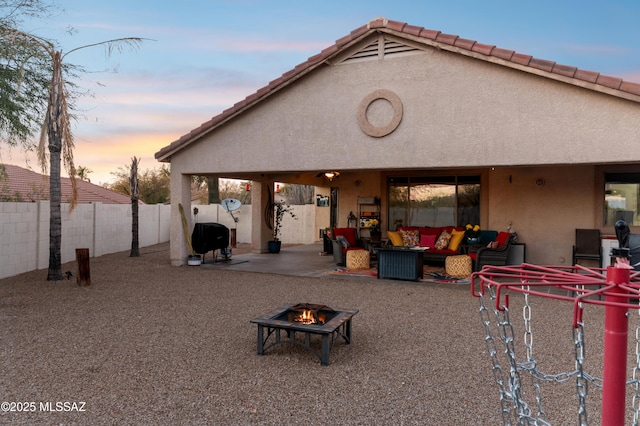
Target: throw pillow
{"points": [[493, 244], [427, 240], [410, 238], [343, 241], [443, 240], [456, 239], [395, 238], [502, 238]]}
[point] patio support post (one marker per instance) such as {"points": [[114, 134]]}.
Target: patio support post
{"points": [[180, 193], [260, 233]]}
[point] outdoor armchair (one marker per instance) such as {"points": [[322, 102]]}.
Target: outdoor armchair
{"points": [[344, 239], [588, 246], [494, 256]]}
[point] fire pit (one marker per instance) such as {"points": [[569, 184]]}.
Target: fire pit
{"points": [[307, 319]]}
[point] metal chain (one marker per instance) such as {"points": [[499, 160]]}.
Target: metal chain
{"points": [[521, 408], [507, 337], [505, 397], [582, 385], [528, 343]]}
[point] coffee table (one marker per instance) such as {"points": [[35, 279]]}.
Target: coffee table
{"points": [[401, 263]]}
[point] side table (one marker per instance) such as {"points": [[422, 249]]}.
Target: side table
{"points": [[373, 246]]}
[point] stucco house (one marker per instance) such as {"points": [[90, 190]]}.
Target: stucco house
{"points": [[444, 130]]}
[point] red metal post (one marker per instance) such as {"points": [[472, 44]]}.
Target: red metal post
{"points": [[616, 328]]}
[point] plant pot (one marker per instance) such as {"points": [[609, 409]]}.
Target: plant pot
{"points": [[274, 246], [472, 241], [375, 236], [194, 260]]}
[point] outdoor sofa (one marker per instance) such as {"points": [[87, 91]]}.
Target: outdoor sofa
{"points": [[441, 246]]}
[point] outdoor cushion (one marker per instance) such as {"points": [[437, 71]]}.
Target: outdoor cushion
{"points": [[487, 236], [443, 240], [395, 238], [431, 231], [427, 240], [410, 238], [343, 241], [456, 239], [502, 238], [348, 233]]}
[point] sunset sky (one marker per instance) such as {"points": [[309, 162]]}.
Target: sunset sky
{"points": [[203, 56]]}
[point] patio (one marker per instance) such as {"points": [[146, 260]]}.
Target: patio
{"points": [[155, 344]]}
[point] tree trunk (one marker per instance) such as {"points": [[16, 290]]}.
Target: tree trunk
{"points": [[135, 242], [55, 217], [214, 190], [55, 192], [135, 192]]}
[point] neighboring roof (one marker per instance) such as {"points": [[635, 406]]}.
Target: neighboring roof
{"points": [[572, 75], [19, 184]]}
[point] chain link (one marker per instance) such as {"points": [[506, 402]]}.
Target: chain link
{"points": [[521, 408], [582, 387], [498, 376]]}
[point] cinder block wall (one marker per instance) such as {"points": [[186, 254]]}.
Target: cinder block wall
{"points": [[106, 228], [102, 228]]}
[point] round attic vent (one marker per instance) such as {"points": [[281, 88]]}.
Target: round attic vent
{"points": [[392, 116]]}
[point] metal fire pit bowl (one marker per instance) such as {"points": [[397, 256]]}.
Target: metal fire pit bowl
{"points": [[337, 324]]}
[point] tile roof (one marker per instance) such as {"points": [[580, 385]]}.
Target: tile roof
{"points": [[572, 75], [28, 186]]}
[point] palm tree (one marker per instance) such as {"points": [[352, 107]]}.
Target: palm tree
{"points": [[135, 193], [83, 173], [58, 132]]}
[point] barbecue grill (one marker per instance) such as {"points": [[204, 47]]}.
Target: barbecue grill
{"points": [[211, 236]]}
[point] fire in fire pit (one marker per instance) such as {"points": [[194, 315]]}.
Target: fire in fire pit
{"points": [[307, 313]]}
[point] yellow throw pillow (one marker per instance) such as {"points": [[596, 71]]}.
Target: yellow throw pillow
{"points": [[456, 239], [395, 238]]}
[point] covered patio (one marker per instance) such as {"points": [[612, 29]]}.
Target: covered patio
{"points": [[392, 102]]}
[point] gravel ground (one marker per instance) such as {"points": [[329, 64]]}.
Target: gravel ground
{"points": [[148, 343]]}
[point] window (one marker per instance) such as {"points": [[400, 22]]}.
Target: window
{"points": [[621, 198], [433, 201]]}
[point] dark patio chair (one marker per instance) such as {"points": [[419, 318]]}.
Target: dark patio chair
{"points": [[588, 246], [339, 251], [494, 256], [634, 251]]}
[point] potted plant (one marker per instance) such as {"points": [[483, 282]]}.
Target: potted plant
{"points": [[472, 233], [280, 208], [374, 230]]}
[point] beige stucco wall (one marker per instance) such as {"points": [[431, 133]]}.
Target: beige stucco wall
{"points": [[459, 113], [544, 216]]}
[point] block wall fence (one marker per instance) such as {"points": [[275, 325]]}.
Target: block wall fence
{"points": [[106, 228]]}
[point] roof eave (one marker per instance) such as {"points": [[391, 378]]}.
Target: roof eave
{"points": [[274, 86]]}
